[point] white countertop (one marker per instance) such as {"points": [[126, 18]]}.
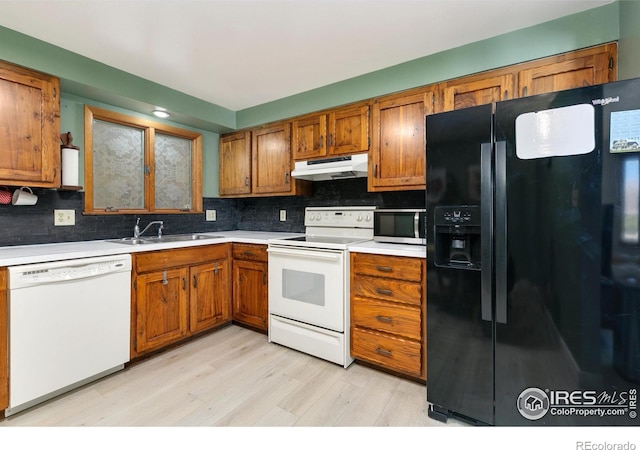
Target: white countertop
{"points": [[382, 248], [37, 253]]}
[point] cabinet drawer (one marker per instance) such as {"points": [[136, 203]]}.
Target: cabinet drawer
{"points": [[397, 354], [387, 317], [397, 267], [252, 252], [385, 289], [165, 259]]}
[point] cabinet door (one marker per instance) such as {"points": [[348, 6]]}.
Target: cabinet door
{"points": [[4, 368], [250, 288], [161, 305], [235, 164], [272, 159], [210, 295], [30, 131], [349, 130], [477, 90], [397, 159], [309, 137], [577, 69]]}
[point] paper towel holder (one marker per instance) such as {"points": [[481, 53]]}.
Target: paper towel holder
{"points": [[69, 157]]}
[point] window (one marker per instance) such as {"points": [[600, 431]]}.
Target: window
{"points": [[135, 166]]}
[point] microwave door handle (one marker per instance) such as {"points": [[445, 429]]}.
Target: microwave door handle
{"points": [[416, 225]]}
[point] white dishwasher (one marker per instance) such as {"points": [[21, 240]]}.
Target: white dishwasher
{"points": [[69, 324]]}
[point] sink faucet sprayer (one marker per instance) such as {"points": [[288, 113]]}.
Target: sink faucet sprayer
{"points": [[136, 230]]}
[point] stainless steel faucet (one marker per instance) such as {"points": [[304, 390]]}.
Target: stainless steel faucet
{"points": [[136, 230]]}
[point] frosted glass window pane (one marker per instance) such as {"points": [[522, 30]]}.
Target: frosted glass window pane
{"points": [[172, 172], [118, 166]]}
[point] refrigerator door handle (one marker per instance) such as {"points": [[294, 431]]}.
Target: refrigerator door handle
{"points": [[501, 231], [486, 225]]}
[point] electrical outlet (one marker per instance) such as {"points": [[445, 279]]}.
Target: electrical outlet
{"points": [[211, 215], [283, 215], [64, 217]]}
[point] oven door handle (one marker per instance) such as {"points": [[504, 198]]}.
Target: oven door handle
{"points": [[326, 255]]}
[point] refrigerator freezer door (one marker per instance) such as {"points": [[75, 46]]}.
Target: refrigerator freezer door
{"points": [[459, 341]]}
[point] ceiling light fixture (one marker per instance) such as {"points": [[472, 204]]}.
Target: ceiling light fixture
{"points": [[160, 113]]}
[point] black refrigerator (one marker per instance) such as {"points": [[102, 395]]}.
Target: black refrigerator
{"points": [[533, 254]]}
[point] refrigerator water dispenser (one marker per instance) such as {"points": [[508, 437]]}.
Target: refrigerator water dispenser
{"points": [[457, 237]]}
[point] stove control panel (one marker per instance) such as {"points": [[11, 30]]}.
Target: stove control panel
{"points": [[348, 217]]}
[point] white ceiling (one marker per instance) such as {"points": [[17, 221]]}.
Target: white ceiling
{"points": [[241, 53]]}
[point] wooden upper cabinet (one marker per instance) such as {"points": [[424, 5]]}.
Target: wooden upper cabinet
{"points": [[342, 131], [271, 169], [576, 69], [235, 163], [30, 131], [309, 137], [477, 90], [348, 130], [258, 162], [397, 157]]}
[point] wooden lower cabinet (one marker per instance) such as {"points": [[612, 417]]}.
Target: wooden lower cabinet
{"points": [[178, 293], [388, 303], [250, 286], [4, 358]]}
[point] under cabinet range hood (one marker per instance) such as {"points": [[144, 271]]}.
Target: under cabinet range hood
{"points": [[336, 168]]}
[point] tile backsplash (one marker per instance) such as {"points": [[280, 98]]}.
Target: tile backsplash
{"points": [[34, 224]]}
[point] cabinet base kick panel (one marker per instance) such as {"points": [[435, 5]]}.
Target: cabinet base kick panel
{"points": [[319, 342]]}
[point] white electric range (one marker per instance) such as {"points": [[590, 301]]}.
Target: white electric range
{"points": [[309, 282]]}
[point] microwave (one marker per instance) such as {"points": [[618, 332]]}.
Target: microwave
{"points": [[400, 226]]}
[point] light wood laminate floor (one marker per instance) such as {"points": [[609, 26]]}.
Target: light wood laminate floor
{"points": [[235, 377]]}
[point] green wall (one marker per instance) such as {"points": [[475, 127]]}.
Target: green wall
{"points": [[87, 78], [629, 45], [72, 119], [593, 27], [86, 81]]}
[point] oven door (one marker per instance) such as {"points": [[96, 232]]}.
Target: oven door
{"points": [[308, 285]]}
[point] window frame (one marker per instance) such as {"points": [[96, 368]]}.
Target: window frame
{"points": [[149, 129]]}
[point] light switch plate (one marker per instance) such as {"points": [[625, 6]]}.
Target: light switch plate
{"points": [[64, 217], [283, 215], [211, 215]]}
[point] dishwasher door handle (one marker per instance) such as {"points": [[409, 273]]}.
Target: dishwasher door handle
{"points": [[62, 272]]}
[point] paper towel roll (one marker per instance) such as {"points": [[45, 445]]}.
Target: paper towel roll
{"points": [[69, 167]]}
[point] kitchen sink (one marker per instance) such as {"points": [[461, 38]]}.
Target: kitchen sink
{"points": [[181, 237], [166, 238], [128, 240]]}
